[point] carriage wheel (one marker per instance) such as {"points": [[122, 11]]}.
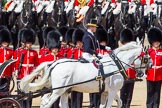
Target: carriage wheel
{"points": [[9, 103]]}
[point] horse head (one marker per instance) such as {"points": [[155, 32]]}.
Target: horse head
{"points": [[57, 17], [26, 18], [93, 12], [142, 63]]}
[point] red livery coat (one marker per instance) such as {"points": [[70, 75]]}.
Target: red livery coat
{"points": [[69, 51], [50, 57], [77, 53], [6, 54], [30, 61], [131, 73], [155, 73], [103, 51], [42, 52]]}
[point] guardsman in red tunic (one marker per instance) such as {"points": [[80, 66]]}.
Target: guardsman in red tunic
{"points": [[154, 73], [44, 50], [77, 97], [53, 44], [70, 46], [20, 48], [126, 92], [63, 31], [102, 37], [5, 54], [27, 59]]}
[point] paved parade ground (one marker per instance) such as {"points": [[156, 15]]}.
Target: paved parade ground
{"points": [[139, 97]]}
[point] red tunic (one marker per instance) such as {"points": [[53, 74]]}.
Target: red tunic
{"points": [[151, 2], [89, 3], [6, 54], [50, 57], [69, 51], [77, 53], [155, 73], [62, 51], [113, 1], [103, 52], [131, 73], [143, 2], [30, 61], [42, 52]]}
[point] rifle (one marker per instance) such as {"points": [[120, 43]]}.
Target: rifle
{"points": [[21, 61]]}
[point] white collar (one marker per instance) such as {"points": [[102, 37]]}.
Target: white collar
{"points": [[90, 32]]}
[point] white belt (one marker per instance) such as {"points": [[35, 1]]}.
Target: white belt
{"points": [[27, 65], [157, 67]]}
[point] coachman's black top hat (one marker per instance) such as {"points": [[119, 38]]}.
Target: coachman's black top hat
{"points": [[92, 22]]}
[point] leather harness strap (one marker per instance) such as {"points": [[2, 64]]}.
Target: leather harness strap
{"points": [[119, 65]]}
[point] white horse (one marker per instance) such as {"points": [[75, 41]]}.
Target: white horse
{"points": [[65, 72]]}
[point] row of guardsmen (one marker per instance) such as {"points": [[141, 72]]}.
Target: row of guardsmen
{"points": [[66, 42], [58, 44]]}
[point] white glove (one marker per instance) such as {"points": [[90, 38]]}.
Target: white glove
{"points": [[107, 48], [100, 55]]}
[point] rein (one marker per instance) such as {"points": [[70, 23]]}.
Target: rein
{"points": [[95, 78]]}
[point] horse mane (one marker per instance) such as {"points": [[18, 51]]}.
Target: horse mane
{"points": [[126, 47]]}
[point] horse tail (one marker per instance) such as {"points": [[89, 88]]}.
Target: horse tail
{"points": [[26, 85]]}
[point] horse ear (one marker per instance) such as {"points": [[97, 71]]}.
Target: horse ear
{"points": [[138, 41]]}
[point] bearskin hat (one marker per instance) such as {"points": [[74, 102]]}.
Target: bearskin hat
{"points": [[28, 36], [20, 33], [53, 39], [69, 34], [5, 36], [154, 34], [101, 35], [77, 35], [46, 30], [126, 35], [63, 31]]}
